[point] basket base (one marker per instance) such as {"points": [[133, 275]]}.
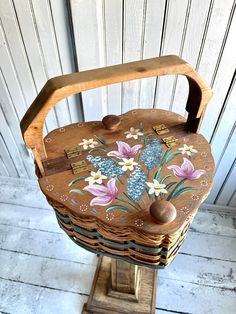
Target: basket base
{"points": [[121, 288]]}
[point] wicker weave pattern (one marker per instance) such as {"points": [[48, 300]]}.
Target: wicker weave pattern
{"points": [[146, 250]]}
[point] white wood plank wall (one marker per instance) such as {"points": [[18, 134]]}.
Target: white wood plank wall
{"points": [[40, 39]]}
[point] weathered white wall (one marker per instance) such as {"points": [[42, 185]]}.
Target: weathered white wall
{"points": [[40, 39]]}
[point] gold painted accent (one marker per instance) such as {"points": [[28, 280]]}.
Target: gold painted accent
{"points": [[73, 152], [160, 129], [79, 166], [170, 141]]}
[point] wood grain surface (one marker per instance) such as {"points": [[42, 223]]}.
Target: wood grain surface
{"points": [[59, 88]]}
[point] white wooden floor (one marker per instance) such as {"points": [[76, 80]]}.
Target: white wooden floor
{"points": [[43, 271]]}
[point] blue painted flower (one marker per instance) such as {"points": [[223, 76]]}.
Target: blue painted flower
{"points": [[152, 154], [107, 166], [137, 184]]}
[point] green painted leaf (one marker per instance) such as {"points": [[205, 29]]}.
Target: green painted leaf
{"points": [[76, 191], [163, 160], [101, 140], [158, 174], [183, 190], [147, 138], [76, 180], [168, 186], [141, 128], [115, 207], [96, 149], [135, 203], [166, 177], [171, 156], [149, 195], [119, 180], [175, 190], [139, 155]]}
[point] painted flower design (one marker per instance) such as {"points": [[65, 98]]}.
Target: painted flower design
{"points": [[48, 140], [195, 197], [110, 216], [96, 177], [184, 209], [204, 183], [88, 143], [63, 197], [104, 194], [50, 187], [138, 222], [83, 207], [186, 171], [128, 164], [124, 150], [189, 150], [133, 133], [156, 187]]}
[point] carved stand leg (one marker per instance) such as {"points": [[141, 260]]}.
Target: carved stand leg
{"points": [[120, 287]]}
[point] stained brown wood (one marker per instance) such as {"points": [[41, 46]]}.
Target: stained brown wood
{"points": [[163, 211], [58, 162], [124, 281], [60, 87], [127, 232], [111, 121], [112, 217], [152, 152], [101, 301], [59, 175]]}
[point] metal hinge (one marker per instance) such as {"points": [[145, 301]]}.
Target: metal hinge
{"points": [[73, 152], [79, 166], [160, 129], [170, 141]]}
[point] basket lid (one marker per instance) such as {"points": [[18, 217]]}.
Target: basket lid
{"points": [[109, 176]]}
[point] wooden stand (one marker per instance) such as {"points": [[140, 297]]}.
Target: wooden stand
{"points": [[120, 287]]}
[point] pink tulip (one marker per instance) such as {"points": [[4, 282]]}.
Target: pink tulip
{"points": [[186, 171], [104, 194], [124, 150]]}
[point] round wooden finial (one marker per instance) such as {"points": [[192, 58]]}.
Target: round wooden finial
{"points": [[163, 211], [111, 121]]}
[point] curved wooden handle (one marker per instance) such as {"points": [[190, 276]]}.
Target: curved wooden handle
{"points": [[66, 85]]}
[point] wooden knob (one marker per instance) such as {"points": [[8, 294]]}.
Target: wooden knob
{"points": [[111, 121], [163, 211]]}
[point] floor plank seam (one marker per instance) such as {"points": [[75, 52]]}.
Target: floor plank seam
{"points": [[42, 286], [192, 230], [161, 276], [21, 227], [209, 258], [171, 311], [199, 284], [23, 205], [47, 257]]}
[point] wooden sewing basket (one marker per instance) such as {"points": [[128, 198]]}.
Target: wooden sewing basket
{"points": [[99, 176]]}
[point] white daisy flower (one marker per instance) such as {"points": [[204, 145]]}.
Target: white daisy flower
{"points": [[189, 150], [88, 143], [128, 164], [135, 133], [156, 187], [96, 177]]}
